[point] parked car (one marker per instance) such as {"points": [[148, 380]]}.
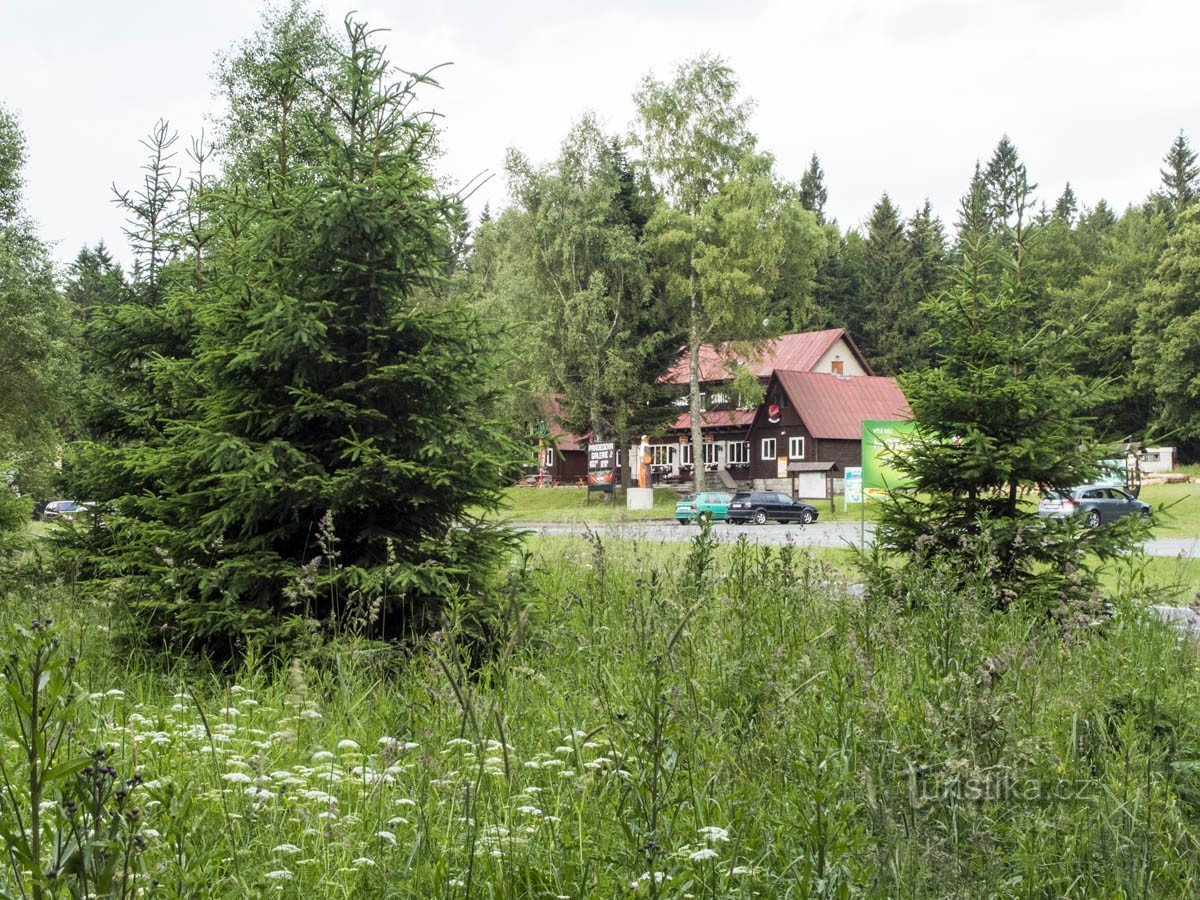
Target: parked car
{"points": [[713, 504], [66, 510], [1096, 503], [761, 507]]}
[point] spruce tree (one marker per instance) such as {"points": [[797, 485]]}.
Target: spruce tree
{"points": [[1066, 206], [330, 465], [1001, 415], [1180, 174], [1167, 347], [812, 190], [883, 292]]}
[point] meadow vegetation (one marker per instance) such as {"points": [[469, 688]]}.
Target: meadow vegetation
{"points": [[655, 721]]}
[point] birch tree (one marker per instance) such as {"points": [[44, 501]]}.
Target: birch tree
{"points": [[726, 224]]}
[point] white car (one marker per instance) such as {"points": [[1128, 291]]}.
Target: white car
{"points": [[62, 509]]}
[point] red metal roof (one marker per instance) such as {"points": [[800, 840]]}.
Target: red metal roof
{"points": [[835, 406], [794, 352], [721, 418]]}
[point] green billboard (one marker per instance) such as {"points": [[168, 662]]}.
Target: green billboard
{"points": [[882, 443]]}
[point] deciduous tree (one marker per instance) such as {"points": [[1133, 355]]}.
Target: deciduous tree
{"points": [[721, 236]]}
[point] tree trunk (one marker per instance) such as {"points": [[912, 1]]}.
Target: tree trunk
{"points": [[625, 445], [694, 390]]}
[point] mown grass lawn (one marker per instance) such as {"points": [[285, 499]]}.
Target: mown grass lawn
{"points": [[1177, 509], [571, 504], [568, 504], [1177, 505]]}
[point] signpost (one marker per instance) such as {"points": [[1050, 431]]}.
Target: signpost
{"points": [[852, 491], [602, 467]]}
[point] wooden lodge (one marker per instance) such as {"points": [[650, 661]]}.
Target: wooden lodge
{"points": [[819, 389]]}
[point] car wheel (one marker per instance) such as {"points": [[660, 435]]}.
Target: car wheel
{"points": [[1093, 519], [682, 521], [760, 517], [1145, 513], [806, 517]]}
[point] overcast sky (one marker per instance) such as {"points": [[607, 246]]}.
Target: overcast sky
{"points": [[899, 96]]}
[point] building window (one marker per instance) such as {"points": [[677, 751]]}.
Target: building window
{"points": [[719, 398], [713, 452], [662, 454], [739, 453], [784, 400], [681, 401], [795, 448], [768, 448], [685, 454], [836, 367], [548, 458]]}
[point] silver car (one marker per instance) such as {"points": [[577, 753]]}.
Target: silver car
{"points": [[1096, 503]]}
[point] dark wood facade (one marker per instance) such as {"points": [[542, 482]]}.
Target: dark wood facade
{"points": [[843, 452], [838, 440]]}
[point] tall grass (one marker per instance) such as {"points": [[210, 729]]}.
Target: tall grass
{"points": [[706, 723]]}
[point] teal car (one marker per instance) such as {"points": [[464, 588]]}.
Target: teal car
{"points": [[714, 504]]}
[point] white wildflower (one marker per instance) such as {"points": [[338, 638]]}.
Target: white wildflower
{"points": [[279, 874], [713, 834], [701, 855], [348, 744], [286, 849], [386, 836], [237, 777]]}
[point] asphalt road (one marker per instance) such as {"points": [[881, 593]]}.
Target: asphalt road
{"points": [[821, 534]]}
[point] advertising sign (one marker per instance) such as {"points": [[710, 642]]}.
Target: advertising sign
{"points": [[602, 466], [854, 482], [883, 444], [1115, 473]]}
